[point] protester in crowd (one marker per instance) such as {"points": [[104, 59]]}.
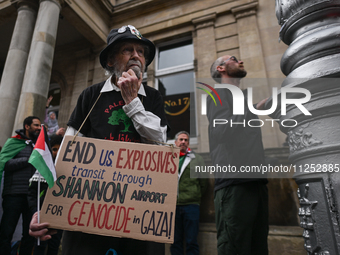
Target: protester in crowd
{"points": [[127, 111], [51, 119], [190, 191], [241, 203], [60, 131], [17, 171], [52, 244], [52, 123]]}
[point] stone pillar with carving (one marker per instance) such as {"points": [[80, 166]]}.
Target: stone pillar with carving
{"points": [[39, 66], [312, 61], [15, 65]]}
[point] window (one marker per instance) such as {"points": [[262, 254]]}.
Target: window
{"points": [[175, 80], [55, 103]]}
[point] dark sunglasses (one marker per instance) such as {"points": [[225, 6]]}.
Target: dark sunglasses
{"points": [[55, 149]]}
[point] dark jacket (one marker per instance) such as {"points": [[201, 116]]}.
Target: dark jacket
{"points": [[33, 190], [235, 145], [18, 171]]}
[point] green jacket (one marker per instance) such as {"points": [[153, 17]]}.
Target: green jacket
{"points": [[190, 190]]}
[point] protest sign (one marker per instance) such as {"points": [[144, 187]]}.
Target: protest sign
{"points": [[114, 189]]}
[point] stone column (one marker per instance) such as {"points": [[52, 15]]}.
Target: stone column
{"points": [[251, 53], [204, 40], [38, 71], [312, 29], [81, 77], [250, 40], [15, 65]]}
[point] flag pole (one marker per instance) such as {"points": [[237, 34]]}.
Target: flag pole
{"points": [[43, 162], [38, 205]]}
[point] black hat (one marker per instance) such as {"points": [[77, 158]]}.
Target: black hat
{"points": [[124, 33]]}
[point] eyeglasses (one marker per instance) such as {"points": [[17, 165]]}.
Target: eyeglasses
{"points": [[55, 149], [129, 50], [231, 58]]}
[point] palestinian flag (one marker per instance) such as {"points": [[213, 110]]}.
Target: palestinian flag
{"points": [[41, 158], [11, 148]]}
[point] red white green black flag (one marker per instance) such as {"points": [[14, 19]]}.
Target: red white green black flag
{"points": [[41, 158]]}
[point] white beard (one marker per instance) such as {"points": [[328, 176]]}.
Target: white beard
{"points": [[137, 70]]}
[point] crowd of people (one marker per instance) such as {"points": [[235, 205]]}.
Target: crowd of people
{"points": [[241, 205]]}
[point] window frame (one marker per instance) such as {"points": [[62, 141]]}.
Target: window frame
{"points": [[55, 108], [159, 73]]}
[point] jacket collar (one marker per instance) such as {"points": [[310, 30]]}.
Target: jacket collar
{"points": [[21, 134], [188, 157], [109, 86], [190, 154]]}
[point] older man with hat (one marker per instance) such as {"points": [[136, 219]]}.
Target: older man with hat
{"points": [[121, 109]]}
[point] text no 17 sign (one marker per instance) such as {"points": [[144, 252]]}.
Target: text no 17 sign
{"points": [[114, 189]]}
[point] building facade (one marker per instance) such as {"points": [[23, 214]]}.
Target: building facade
{"points": [[51, 47]]}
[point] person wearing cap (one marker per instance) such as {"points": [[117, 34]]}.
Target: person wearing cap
{"points": [[124, 110], [127, 110]]}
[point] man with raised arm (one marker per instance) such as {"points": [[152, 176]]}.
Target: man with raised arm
{"points": [[123, 110]]}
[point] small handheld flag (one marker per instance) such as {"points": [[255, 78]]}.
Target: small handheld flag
{"points": [[41, 158]]}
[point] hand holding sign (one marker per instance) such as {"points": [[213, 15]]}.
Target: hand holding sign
{"points": [[114, 189]]}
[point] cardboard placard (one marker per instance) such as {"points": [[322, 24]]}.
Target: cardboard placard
{"points": [[114, 189]]}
